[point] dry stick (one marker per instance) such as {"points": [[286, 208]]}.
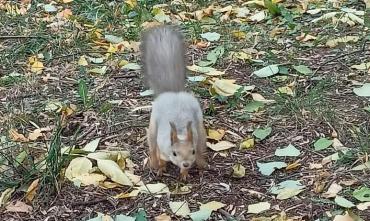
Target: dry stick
{"points": [[340, 56]]}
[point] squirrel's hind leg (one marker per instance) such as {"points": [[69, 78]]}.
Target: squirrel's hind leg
{"points": [[153, 146], [200, 161]]}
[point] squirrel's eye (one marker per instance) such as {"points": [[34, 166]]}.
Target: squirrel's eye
{"points": [[174, 154], [193, 152]]}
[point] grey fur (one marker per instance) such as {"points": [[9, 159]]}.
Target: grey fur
{"points": [[163, 58]]}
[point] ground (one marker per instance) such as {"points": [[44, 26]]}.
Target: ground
{"points": [[322, 103]]}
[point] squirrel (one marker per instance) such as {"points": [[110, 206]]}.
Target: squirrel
{"points": [[176, 130]]}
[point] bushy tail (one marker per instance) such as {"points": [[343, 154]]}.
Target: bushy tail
{"points": [[163, 57]]}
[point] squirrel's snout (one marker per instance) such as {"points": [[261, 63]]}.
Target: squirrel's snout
{"points": [[186, 164]]}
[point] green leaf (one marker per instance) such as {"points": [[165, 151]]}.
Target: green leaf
{"points": [[201, 215], [253, 106], [363, 91], [303, 69], [287, 184], [238, 170], [289, 151], [50, 8], [322, 144], [113, 39], [140, 215], [82, 91], [341, 201], [268, 168], [262, 133], [362, 194], [124, 218], [211, 36], [267, 71]]}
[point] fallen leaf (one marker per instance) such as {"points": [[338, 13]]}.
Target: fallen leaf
{"points": [[206, 210], [258, 97], [216, 134], [362, 66], [17, 137], [113, 39], [163, 217], [259, 16], [363, 91], [50, 8], [92, 145], [89, 179], [180, 208], [18, 207], [258, 207], [334, 42], [302, 69], [305, 37], [287, 189], [267, 71], [222, 145], [213, 205], [363, 166], [155, 188], [322, 144], [181, 190], [31, 190], [268, 168], [362, 194], [78, 166], [113, 171], [131, 66], [211, 36], [293, 165], [262, 133], [254, 106], [345, 217], [363, 206], [101, 70], [238, 170], [341, 201], [225, 87], [35, 134], [5, 196], [247, 144], [333, 190], [133, 193], [289, 151]]}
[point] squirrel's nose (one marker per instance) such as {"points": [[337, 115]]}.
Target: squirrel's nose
{"points": [[185, 164]]}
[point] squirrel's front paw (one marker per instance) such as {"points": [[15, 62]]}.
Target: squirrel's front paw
{"points": [[184, 174]]}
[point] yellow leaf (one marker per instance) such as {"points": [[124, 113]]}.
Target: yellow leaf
{"points": [[239, 34], [82, 61], [154, 188], [35, 65], [213, 206], [223, 145], [112, 48], [31, 191], [5, 196], [67, 1], [293, 165], [109, 185], [259, 97], [77, 167], [216, 134], [90, 179], [131, 3], [247, 144], [225, 87], [286, 90], [133, 193], [238, 170], [113, 171], [241, 56], [334, 42]]}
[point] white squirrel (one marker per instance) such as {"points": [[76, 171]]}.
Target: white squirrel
{"points": [[176, 130]]}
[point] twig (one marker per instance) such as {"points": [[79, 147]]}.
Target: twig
{"points": [[228, 216], [340, 56], [90, 202]]}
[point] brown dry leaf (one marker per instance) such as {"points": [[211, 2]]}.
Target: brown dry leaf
{"points": [[66, 13], [163, 217], [35, 134], [294, 165], [31, 191], [18, 207], [17, 137], [305, 37], [133, 193], [333, 190]]}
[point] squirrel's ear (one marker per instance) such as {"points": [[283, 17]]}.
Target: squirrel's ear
{"points": [[174, 137], [189, 132]]}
